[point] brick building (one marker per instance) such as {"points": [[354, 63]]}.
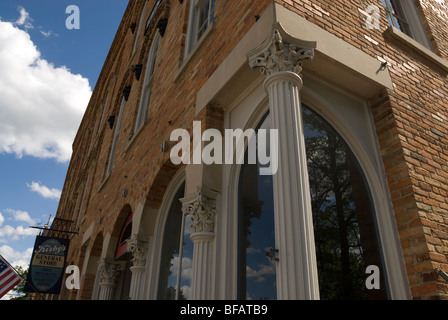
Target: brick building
{"points": [[357, 93]]}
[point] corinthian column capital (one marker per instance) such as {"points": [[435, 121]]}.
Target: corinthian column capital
{"points": [[201, 206], [138, 248], [281, 52], [109, 271]]}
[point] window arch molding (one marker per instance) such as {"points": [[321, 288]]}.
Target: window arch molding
{"points": [[154, 15], [156, 245], [146, 85], [327, 100], [140, 25], [354, 123]]}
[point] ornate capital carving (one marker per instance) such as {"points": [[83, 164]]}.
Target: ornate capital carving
{"points": [[138, 248], [281, 52], [202, 207], [109, 272]]}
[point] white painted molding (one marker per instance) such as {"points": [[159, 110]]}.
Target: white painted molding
{"points": [[417, 46], [201, 205], [281, 52], [280, 58]]}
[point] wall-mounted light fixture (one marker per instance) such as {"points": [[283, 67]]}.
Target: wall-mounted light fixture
{"points": [[272, 254], [164, 146], [442, 274]]}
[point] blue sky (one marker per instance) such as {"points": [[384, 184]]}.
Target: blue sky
{"points": [[47, 74]]}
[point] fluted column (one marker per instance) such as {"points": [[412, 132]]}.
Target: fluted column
{"points": [[109, 273], [280, 59], [201, 207], [138, 248]]}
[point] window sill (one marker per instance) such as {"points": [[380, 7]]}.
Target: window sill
{"points": [[193, 52], [134, 137], [106, 178], [416, 46]]}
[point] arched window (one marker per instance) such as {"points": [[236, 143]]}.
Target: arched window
{"points": [[139, 30], [147, 84], [115, 137], [177, 253], [345, 232], [125, 234], [121, 254]]}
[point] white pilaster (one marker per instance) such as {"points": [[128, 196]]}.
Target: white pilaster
{"points": [[201, 206], [138, 248], [280, 58], [107, 291], [109, 273]]}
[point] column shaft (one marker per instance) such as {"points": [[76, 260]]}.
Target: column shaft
{"points": [[202, 266], [296, 269], [137, 278], [201, 206], [280, 58], [106, 291]]}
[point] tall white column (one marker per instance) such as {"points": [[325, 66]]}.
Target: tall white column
{"points": [[201, 206], [109, 273], [138, 248], [280, 58]]}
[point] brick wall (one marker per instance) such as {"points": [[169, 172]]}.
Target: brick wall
{"points": [[411, 119]]}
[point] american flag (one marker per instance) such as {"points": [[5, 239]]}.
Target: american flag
{"points": [[8, 277]]}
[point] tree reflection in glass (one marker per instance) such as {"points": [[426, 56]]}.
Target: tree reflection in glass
{"points": [[345, 233], [344, 228]]}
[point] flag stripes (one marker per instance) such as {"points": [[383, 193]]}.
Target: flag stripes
{"points": [[8, 277]]}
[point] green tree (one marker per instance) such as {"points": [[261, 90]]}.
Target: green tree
{"points": [[19, 290]]}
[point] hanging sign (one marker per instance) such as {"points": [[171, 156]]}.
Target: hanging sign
{"points": [[46, 271]]}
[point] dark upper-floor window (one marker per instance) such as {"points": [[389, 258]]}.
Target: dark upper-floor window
{"points": [[201, 18], [147, 85], [403, 15]]}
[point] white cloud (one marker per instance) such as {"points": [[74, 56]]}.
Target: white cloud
{"points": [[16, 258], [24, 19], [41, 106], [187, 265], [13, 233], [21, 216], [10, 233], [47, 34], [44, 191], [252, 250], [263, 270]]}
